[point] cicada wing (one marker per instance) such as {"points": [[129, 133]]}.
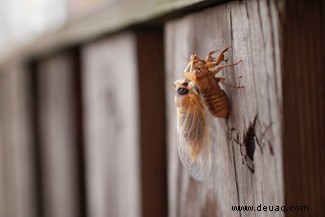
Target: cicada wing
{"points": [[193, 141]]}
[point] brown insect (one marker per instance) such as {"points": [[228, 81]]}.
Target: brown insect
{"points": [[202, 73], [192, 131]]}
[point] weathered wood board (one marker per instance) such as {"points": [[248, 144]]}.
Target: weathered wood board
{"points": [[111, 126], [251, 29], [56, 107], [17, 189]]}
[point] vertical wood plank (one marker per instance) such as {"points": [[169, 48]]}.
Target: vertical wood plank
{"points": [[256, 32], [304, 107], [111, 120], [17, 188], [187, 197], [251, 29], [59, 136]]}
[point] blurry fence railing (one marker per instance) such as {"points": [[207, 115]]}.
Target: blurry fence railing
{"points": [[88, 122]]}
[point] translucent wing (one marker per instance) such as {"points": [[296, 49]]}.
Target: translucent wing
{"points": [[193, 139]]}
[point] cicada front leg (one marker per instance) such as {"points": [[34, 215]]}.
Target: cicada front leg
{"points": [[222, 81], [211, 62], [219, 68]]}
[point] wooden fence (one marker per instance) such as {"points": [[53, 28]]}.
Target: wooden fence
{"points": [[88, 121]]}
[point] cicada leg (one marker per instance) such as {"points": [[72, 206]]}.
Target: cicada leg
{"points": [[222, 81], [214, 62], [219, 68], [209, 58]]}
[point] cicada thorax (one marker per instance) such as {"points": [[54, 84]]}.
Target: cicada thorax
{"points": [[190, 121], [214, 97]]}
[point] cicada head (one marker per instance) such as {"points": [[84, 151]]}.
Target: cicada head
{"points": [[192, 140], [185, 92], [182, 86]]}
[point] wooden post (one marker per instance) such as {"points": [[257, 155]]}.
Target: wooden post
{"points": [[125, 125], [59, 142], [17, 179], [241, 175], [111, 126]]}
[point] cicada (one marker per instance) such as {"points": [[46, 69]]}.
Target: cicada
{"points": [[199, 87], [202, 73], [192, 131]]}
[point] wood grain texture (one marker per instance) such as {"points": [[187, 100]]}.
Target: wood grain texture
{"points": [[251, 28], [304, 107], [111, 126], [58, 136], [17, 187]]}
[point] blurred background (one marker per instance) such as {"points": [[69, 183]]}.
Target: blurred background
{"points": [[73, 119], [23, 21]]}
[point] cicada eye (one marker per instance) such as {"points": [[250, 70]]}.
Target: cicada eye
{"points": [[185, 84]]}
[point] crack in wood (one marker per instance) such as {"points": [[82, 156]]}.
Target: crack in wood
{"points": [[231, 130], [236, 178]]}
